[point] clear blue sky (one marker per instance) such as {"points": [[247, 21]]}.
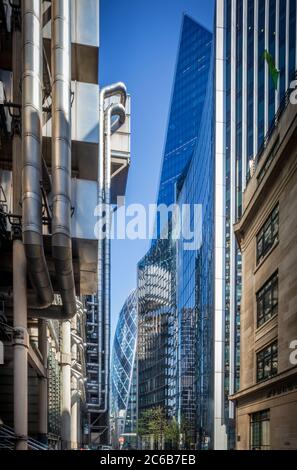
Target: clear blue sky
{"points": [[139, 41]]}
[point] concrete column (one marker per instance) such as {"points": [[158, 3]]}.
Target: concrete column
{"points": [[21, 339], [79, 434], [20, 346], [42, 384], [74, 415], [66, 385]]}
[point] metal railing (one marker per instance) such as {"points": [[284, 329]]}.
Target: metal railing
{"points": [[8, 439]]}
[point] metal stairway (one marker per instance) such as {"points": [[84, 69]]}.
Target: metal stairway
{"points": [[8, 438]]}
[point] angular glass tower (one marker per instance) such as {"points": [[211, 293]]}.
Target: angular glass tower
{"points": [[195, 289], [123, 372], [158, 323], [187, 102], [247, 103]]}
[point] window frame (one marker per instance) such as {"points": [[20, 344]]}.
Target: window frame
{"points": [[267, 236], [264, 352], [268, 287], [263, 417]]}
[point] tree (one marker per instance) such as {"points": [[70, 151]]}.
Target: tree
{"points": [[153, 422], [186, 432], [172, 434]]}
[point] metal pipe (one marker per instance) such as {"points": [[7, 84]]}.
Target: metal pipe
{"points": [[119, 111], [31, 149], [61, 154], [106, 92], [103, 305], [20, 332], [20, 346]]}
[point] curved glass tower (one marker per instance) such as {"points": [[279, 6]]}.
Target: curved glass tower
{"points": [[123, 374]]}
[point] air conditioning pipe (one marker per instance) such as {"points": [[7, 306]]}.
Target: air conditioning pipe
{"points": [[113, 110], [31, 150], [117, 89], [61, 160], [61, 154]]}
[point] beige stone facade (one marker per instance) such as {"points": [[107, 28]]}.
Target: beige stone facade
{"points": [[270, 389]]}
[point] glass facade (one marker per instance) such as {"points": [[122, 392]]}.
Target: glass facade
{"points": [[157, 349], [195, 293], [123, 371], [162, 327], [186, 106]]}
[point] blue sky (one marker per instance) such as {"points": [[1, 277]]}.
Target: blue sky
{"points": [[139, 41]]}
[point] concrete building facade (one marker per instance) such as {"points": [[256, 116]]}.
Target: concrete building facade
{"points": [[266, 403], [247, 97]]}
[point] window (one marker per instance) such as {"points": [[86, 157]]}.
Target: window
{"points": [[267, 363], [268, 235], [260, 430], [267, 301]]}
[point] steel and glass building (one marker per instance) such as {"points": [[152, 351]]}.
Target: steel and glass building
{"points": [[158, 322], [195, 291], [187, 102], [247, 104], [123, 374]]}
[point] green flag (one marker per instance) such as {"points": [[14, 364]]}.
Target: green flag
{"points": [[272, 68]]}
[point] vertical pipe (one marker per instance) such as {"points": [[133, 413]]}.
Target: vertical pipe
{"points": [[66, 385], [107, 264], [74, 415], [100, 264], [31, 147], [112, 90], [61, 153], [20, 349], [42, 383], [20, 346]]}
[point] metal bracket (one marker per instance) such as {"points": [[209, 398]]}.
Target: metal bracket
{"points": [[16, 226], [16, 21], [65, 359], [21, 337], [16, 125]]}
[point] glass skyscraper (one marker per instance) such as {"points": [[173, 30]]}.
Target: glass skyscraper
{"points": [[159, 325], [187, 102], [123, 373], [195, 292], [247, 101]]}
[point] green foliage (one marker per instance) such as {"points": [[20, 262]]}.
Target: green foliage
{"points": [[153, 422]]}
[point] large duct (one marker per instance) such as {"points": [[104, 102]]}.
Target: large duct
{"points": [[31, 150], [119, 111], [117, 89], [61, 154], [107, 127]]}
